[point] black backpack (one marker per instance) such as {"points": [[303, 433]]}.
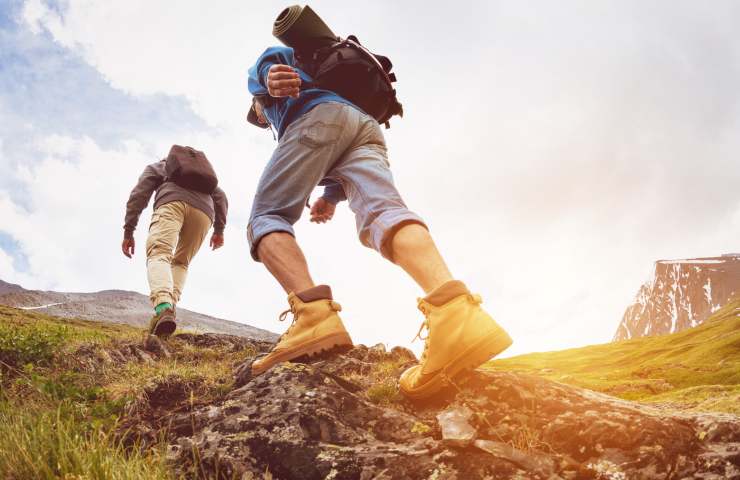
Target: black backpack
{"points": [[354, 73], [190, 169]]}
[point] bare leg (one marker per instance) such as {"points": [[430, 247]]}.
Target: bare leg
{"points": [[414, 251], [284, 259]]}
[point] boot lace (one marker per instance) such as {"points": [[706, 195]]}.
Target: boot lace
{"points": [[424, 308], [283, 316], [293, 309]]}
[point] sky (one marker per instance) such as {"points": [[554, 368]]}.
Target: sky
{"points": [[556, 150]]}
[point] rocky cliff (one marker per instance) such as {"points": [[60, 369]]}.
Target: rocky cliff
{"points": [[682, 294], [118, 306]]}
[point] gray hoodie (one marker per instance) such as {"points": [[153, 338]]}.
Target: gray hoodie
{"points": [[153, 179]]}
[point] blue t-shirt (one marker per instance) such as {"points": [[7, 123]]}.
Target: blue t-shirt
{"points": [[284, 110]]}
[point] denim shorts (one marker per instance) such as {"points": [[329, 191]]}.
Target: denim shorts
{"points": [[332, 143]]}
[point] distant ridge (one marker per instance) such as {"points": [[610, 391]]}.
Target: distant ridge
{"points": [[6, 287], [119, 306], [682, 294]]}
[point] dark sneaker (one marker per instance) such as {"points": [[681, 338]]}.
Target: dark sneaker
{"points": [[164, 324]]}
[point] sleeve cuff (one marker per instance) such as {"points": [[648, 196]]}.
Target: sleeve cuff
{"points": [[264, 72], [128, 232], [331, 199], [334, 194]]}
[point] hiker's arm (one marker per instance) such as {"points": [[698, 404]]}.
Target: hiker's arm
{"points": [[273, 74], [221, 206], [139, 199]]}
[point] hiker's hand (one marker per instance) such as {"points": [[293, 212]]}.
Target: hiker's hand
{"points": [[283, 81], [217, 241], [322, 210], [128, 246]]}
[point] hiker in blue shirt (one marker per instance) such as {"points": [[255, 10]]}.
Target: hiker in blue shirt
{"points": [[324, 139]]}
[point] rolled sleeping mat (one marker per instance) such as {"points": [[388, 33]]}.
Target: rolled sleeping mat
{"points": [[302, 29]]}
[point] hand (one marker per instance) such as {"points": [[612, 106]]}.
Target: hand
{"points": [[322, 210], [128, 246], [217, 241], [283, 81]]}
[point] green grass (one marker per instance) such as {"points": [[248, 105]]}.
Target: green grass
{"points": [[384, 383], [704, 398], [56, 421], [48, 443], [35, 338], [22, 344], [61, 408], [685, 367]]}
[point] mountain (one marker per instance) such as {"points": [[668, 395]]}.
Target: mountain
{"points": [[100, 403], [682, 294], [117, 306], [698, 368], [9, 288]]}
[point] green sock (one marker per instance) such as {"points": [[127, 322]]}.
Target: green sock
{"points": [[162, 307]]}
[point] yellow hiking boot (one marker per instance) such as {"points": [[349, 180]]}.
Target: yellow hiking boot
{"points": [[462, 336], [316, 327]]}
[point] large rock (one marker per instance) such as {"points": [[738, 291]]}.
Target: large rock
{"points": [[341, 418], [454, 422]]}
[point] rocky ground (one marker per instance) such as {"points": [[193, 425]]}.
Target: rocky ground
{"points": [[341, 417]]}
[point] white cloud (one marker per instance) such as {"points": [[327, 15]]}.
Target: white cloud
{"points": [[72, 227], [9, 274], [555, 151], [167, 48]]}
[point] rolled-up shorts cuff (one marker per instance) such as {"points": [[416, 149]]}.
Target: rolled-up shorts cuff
{"points": [[265, 225], [385, 226]]}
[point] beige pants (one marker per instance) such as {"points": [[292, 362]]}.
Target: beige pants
{"points": [[175, 235]]}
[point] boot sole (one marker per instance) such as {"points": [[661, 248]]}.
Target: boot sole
{"points": [[333, 342], [473, 357], [165, 328]]}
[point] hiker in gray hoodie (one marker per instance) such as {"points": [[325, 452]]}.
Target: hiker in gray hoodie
{"points": [[179, 225]]}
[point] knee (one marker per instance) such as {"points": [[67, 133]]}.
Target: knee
{"points": [[263, 226], [406, 236], [159, 251], [379, 231], [180, 263]]}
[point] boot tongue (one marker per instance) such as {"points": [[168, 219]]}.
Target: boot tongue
{"points": [[446, 292], [319, 292]]}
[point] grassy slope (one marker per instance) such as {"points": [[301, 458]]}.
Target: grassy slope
{"points": [[698, 368], [58, 418]]}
